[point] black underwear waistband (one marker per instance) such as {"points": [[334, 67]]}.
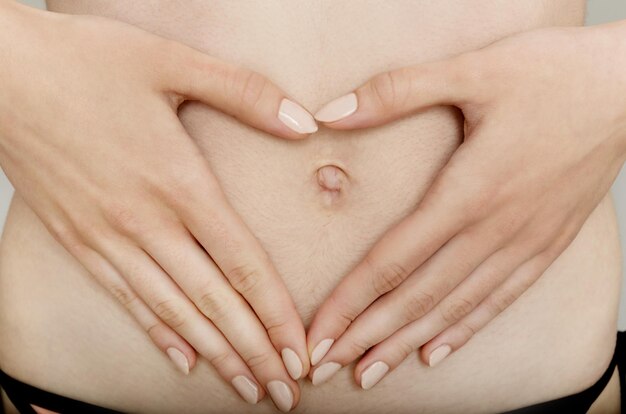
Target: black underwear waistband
{"points": [[23, 395]]}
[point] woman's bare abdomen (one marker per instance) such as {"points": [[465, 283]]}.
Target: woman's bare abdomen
{"points": [[62, 332]]}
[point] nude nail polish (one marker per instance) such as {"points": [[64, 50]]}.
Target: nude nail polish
{"points": [[439, 354], [296, 117], [281, 395], [373, 374], [246, 388], [320, 350], [325, 372], [179, 359], [338, 109], [292, 363]]}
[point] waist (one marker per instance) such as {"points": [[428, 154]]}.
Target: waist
{"points": [[59, 327], [61, 332]]}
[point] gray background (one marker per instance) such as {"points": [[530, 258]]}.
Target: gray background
{"points": [[599, 11]]}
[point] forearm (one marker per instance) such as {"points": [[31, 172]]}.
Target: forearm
{"points": [[611, 39]]}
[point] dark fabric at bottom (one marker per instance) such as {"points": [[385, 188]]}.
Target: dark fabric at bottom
{"points": [[581, 402], [23, 395], [1, 404], [621, 367]]}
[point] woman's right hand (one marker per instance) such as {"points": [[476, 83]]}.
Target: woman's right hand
{"points": [[90, 138]]}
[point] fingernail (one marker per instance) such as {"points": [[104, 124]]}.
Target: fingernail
{"points": [[281, 395], [337, 109], [246, 388], [439, 354], [292, 363], [179, 359], [320, 350], [296, 117], [324, 372], [373, 374]]}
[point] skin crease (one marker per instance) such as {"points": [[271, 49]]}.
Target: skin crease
{"points": [[272, 185], [104, 211], [395, 300]]}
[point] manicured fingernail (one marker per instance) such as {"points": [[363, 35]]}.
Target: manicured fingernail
{"points": [[179, 359], [324, 372], [281, 395], [296, 117], [439, 354], [320, 350], [337, 109], [373, 374], [246, 388], [292, 363]]}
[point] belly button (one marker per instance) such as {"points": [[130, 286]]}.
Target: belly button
{"points": [[332, 181]]}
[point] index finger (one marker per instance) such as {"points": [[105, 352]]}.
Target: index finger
{"points": [[247, 95], [392, 259]]}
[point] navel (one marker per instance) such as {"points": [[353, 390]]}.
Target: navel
{"points": [[332, 181]]}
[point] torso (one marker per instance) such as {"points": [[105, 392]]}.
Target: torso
{"points": [[62, 332]]}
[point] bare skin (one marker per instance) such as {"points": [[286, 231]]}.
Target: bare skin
{"points": [[502, 209], [282, 199], [125, 182]]}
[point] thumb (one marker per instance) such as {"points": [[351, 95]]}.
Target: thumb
{"points": [[242, 93], [391, 95]]}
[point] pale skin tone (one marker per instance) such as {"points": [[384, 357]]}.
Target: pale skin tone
{"points": [[543, 144], [160, 208], [129, 195]]}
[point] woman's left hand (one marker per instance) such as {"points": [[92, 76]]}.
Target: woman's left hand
{"points": [[545, 119]]}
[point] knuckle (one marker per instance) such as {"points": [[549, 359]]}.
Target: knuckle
{"points": [[343, 309], [64, 234], [510, 224], [223, 359], [136, 272], [258, 360], [565, 237], [401, 349], [467, 330], [188, 184], [171, 313], [480, 202], [123, 296], [358, 346], [194, 63], [418, 305], [244, 278], [215, 305], [389, 89], [386, 277], [276, 326], [251, 87], [181, 183], [500, 301], [456, 310], [124, 219]]}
